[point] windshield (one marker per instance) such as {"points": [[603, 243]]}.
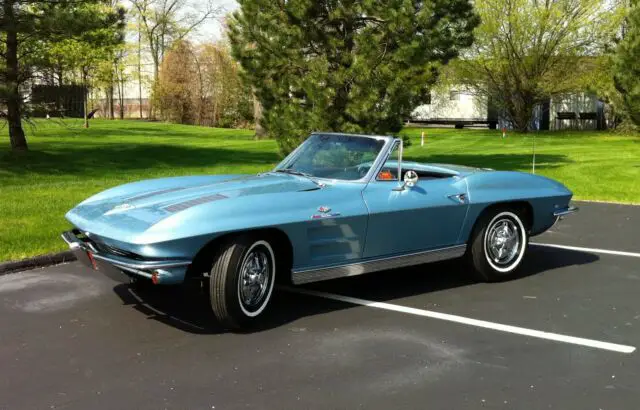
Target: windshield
{"points": [[343, 157]]}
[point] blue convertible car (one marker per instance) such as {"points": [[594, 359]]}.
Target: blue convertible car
{"points": [[339, 205]]}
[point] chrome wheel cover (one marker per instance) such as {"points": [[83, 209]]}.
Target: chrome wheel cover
{"points": [[505, 242], [255, 281]]}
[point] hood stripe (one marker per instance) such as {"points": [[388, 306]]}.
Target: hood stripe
{"points": [[181, 206], [152, 194]]}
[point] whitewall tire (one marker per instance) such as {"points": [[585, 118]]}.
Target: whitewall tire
{"points": [[498, 244], [242, 279]]}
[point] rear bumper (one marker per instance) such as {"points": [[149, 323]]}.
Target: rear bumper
{"points": [[560, 213], [565, 211], [161, 271]]}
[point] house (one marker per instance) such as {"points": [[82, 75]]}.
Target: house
{"points": [[464, 108]]}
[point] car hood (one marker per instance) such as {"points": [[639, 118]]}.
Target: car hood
{"points": [[131, 209]]}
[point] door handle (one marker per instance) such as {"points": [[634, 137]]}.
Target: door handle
{"points": [[459, 198]]}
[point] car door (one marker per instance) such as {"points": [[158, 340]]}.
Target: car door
{"points": [[426, 216]]}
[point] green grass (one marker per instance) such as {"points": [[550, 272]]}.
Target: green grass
{"points": [[599, 166], [67, 163]]}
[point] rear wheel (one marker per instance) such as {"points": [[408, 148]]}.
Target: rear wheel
{"points": [[242, 279], [498, 245]]}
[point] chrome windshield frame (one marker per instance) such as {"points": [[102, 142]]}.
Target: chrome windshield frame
{"points": [[397, 142], [377, 163]]}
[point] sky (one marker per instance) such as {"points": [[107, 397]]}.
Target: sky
{"points": [[212, 29]]}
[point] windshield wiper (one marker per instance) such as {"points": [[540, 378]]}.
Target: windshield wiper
{"points": [[301, 174]]}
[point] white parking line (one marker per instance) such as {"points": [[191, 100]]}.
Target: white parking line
{"points": [[471, 322], [594, 250]]}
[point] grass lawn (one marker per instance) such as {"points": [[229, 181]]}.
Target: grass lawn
{"points": [[67, 163]]}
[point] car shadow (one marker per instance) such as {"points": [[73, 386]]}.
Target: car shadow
{"points": [[189, 310]]}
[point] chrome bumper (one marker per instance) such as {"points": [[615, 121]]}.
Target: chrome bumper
{"points": [[122, 269], [565, 211]]}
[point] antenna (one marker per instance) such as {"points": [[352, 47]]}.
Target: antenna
{"points": [[534, 150], [538, 124]]}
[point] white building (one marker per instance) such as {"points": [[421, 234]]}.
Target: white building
{"points": [[460, 108]]}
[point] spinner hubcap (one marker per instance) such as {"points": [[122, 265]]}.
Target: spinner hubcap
{"points": [[503, 241], [255, 278]]}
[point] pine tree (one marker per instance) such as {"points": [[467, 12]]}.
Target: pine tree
{"points": [[627, 66], [345, 65]]}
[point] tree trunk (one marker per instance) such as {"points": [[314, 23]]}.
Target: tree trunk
{"points": [[84, 100], [112, 109], [16, 133], [156, 74], [520, 110], [59, 100], [140, 69], [121, 94], [257, 116], [522, 117], [107, 103]]}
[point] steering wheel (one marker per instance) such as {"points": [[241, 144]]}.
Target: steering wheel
{"points": [[363, 169]]}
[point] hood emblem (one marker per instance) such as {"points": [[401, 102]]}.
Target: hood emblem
{"points": [[123, 207], [324, 209]]}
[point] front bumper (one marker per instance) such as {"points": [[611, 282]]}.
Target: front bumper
{"points": [[122, 269]]}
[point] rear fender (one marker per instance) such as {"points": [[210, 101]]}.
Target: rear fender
{"points": [[544, 195]]}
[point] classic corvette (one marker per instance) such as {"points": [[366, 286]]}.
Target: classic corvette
{"points": [[339, 205]]}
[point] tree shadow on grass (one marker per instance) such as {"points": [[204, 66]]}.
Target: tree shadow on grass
{"points": [[104, 160], [502, 162], [71, 128], [179, 308], [101, 161]]}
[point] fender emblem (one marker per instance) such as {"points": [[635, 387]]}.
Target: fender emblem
{"points": [[325, 212], [325, 216]]}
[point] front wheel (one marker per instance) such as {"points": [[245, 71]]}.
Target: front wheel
{"points": [[498, 244], [242, 279]]}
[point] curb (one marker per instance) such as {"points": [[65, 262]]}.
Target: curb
{"points": [[36, 262], [595, 201]]}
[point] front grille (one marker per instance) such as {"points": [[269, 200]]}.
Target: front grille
{"points": [[104, 248]]}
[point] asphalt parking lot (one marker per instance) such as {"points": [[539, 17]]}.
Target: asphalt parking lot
{"points": [[70, 338]]}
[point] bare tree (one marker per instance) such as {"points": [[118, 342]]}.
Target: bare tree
{"points": [[202, 85], [140, 68], [162, 22]]}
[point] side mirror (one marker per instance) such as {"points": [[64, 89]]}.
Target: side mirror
{"points": [[410, 180]]}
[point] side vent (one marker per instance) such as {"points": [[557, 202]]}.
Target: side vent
{"points": [[193, 202]]}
